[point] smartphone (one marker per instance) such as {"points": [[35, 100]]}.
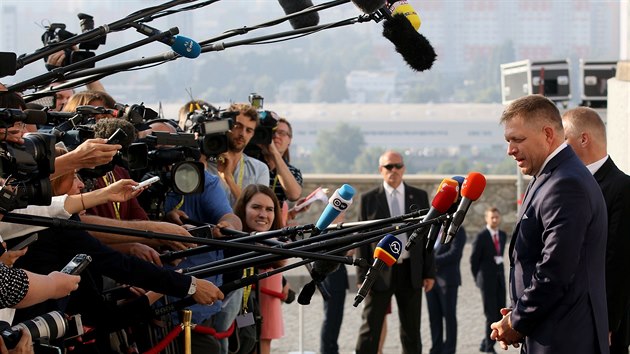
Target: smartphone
{"points": [[24, 243], [147, 182], [77, 264], [117, 137]]}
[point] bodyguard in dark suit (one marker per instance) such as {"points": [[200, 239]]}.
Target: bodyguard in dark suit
{"points": [[585, 131], [486, 264], [405, 279], [558, 248], [442, 299]]}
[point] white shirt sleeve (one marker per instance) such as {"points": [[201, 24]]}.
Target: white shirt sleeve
{"points": [[54, 210]]}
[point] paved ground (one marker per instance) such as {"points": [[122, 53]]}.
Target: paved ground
{"points": [[469, 314]]}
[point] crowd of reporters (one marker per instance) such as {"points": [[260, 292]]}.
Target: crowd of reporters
{"points": [[205, 178]]}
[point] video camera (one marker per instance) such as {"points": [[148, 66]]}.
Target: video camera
{"points": [[26, 169], [52, 325], [56, 32], [263, 135], [174, 158], [212, 126]]}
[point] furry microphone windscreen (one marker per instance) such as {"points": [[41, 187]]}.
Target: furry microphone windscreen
{"points": [[293, 6], [413, 46]]}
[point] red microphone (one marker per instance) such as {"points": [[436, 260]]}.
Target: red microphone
{"points": [[472, 188], [443, 200]]}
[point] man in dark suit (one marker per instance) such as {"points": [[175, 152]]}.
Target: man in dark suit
{"points": [[585, 132], [405, 279], [486, 264], [558, 248], [442, 299]]}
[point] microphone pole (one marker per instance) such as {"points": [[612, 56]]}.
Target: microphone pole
{"points": [[71, 224], [66, 85], [314, 240], [59, 73], [26, 59]]}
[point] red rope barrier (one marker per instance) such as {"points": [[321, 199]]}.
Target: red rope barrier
{"points": [[213, 332], [166, 340]]}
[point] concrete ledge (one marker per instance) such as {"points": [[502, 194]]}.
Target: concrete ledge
{"points": [[623, 70]]}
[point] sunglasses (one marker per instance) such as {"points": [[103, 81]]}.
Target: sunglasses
{"points": [[390, 166]]}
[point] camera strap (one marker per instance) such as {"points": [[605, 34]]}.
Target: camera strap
{"points": [[241, 170]]}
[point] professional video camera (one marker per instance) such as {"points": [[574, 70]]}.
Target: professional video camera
{"points": [[174, 158], [212, 126], [25, 169], [56, 32], [53, 325]]}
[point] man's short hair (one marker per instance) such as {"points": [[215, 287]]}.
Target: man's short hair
{"points": [[246, 110], [492, 209], [586, 119], [537, 108]]}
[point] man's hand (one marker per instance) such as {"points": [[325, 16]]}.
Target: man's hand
{"points": [[207, 293], [427, 284], [168, 228], [9, 257], [23, 346], [175, 216], [503, 332], [122, 191], [139, 250], [225, 165]]}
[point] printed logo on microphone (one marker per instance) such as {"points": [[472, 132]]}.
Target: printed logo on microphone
{"points": [[396, 247], [339, 204], [189, 46]]}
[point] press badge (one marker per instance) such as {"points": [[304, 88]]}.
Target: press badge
{"points": [[244, 320]]}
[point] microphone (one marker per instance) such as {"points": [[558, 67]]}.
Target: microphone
{"points": [[293, 6], [435, 228], [338, 202], [443, 199], [181, 45], [404, 8], [27, 116], [386, 253], [400, 29], [473, 186], [368, 6]]}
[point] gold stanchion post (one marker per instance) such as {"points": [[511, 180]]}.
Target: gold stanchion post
{"points": [[187, 331]]}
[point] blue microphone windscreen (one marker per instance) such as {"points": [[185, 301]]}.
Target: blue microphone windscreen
{"points": [[346, 192], [186, 47]]}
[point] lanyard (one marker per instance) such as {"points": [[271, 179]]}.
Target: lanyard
{"points": [[240, 172], [109, 179], [180, 204], [275, 181], [247, 272]]}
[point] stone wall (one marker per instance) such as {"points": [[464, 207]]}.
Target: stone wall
{"points": [[500, 192]]}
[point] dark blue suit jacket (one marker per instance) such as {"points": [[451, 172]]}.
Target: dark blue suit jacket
{"points": [[557, 279], [482, 264], [447, 260]]}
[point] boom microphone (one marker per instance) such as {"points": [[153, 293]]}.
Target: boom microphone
{"points": [[302, 21], [400, 28], [439, 205], [386, 253], [473, 186], [181, 45], [369, 6]]}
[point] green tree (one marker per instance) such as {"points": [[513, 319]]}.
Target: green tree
{"points": [[367, 162], [337, 149]]}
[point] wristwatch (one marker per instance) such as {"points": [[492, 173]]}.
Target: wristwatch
{"points": [[193, 286]]}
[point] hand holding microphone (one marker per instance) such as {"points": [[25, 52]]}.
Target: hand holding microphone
{"points": [[387, 252]]}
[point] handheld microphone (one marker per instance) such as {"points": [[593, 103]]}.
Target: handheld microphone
{"points": [[387, 252], [473, 186], [338, 202], [435, 228], [439, 205], [400, 29], [447, 223], [302, 21], [181, 45], [368, 6]]}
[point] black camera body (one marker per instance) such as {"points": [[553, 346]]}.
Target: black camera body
{"points": [[212, 127], [52, 325], [26, 168]]}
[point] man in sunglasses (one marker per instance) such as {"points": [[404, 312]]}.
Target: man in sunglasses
{"points": [[406, 279]]}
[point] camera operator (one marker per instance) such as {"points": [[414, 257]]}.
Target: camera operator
{"points": [[236, 169]]}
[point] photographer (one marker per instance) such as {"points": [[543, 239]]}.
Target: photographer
{"points": [[284, 179], [236, 169]]}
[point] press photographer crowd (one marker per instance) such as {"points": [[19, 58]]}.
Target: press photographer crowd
{"points": [[124, 231]]}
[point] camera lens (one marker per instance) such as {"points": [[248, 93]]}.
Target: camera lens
{"points": [[51, 325], [188, 177]]}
